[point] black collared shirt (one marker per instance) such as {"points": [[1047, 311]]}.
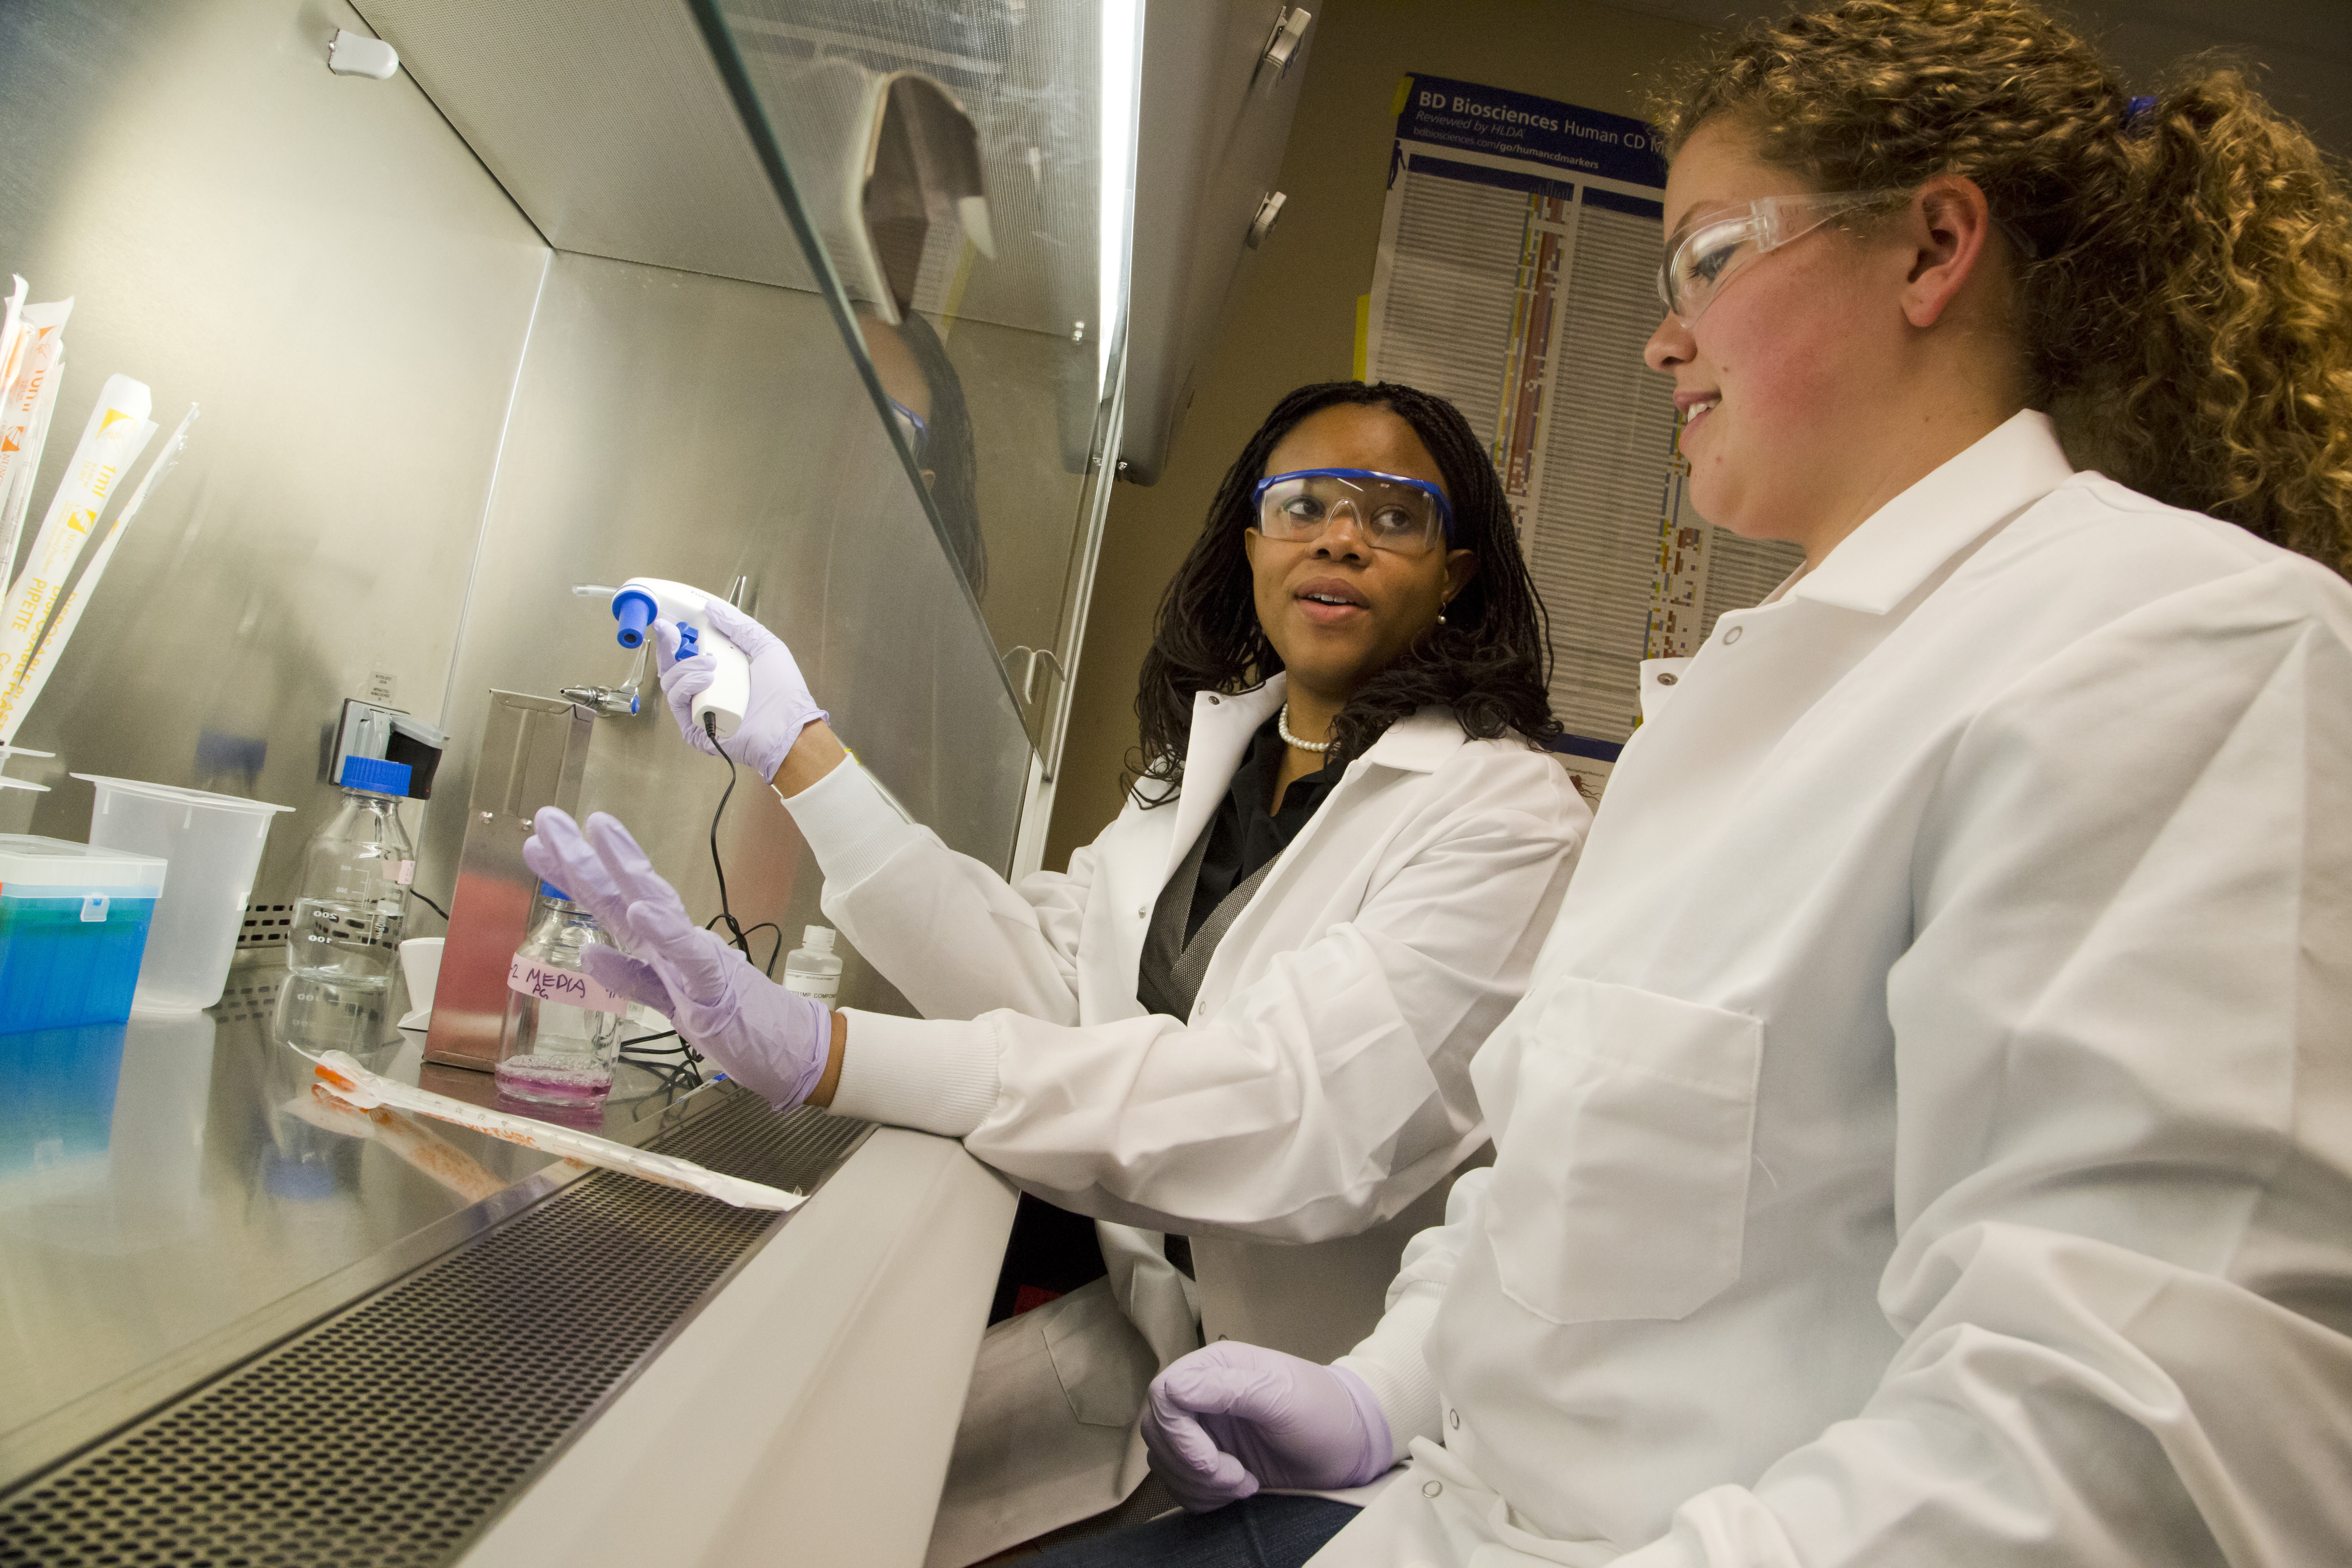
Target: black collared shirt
{"points": [[1244, 836]]}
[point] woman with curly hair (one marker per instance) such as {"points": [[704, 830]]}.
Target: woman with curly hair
{"points": [[1245, 1013], [1928, 1135]]}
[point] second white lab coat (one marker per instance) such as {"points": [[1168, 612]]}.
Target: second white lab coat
{"points": [[1927, 1138], [1300, 1125]]}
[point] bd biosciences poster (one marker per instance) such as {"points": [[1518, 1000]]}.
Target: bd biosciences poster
{"points": [[1517, 276]]}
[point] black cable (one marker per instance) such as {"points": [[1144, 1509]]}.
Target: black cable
{"points": [[428, 903], [774, 953], [737, 937], [677, 1066]]}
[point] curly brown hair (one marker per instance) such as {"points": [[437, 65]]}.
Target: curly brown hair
{"points": [[2184, 286]]}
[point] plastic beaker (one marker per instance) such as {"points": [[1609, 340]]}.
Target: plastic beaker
{"points": [[213, 844]]}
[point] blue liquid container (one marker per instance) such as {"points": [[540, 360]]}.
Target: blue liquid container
{"points": [[73, 929]]}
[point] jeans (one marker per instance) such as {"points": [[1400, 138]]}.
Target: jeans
{"points": [[1256, 1532]]}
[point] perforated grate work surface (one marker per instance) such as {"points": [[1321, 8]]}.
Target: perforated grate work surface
{"points": [[393, 1430]]}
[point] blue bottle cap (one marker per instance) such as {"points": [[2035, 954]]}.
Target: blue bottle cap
{"points": [[376, 775]]}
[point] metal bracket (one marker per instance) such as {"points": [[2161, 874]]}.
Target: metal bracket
{"points": [[1281, 46], [1029, 670], [1270, 213]]}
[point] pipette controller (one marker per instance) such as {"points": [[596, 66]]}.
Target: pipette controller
{"points": [[638, 602]]}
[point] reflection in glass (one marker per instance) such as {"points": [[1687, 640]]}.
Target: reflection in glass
{"points": [[1013, 296], [56, 1111], [927, 395]]}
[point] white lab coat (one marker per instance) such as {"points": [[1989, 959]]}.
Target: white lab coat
{"points": [[1319, 1094], [1927, 1138]]}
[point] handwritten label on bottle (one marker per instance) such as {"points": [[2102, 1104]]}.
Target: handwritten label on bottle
{"points": [[530, 977]]}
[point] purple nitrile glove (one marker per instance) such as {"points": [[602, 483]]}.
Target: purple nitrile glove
{"points": [[1224, 1420], [780, 707], [773, 1041], [560, 856]]}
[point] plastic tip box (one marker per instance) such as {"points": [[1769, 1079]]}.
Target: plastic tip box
{"points": [[73, 927]]}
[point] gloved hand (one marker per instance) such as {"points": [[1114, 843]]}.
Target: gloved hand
{"points": [[771, 1040], [1224, 1420], [780, 707]]}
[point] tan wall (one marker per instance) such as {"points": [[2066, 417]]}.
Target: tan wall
{"points": [[1292, 317]]}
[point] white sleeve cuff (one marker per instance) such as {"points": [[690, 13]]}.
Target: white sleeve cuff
{"points": [[1392, 1366], [850, 826], [935, 1075]]}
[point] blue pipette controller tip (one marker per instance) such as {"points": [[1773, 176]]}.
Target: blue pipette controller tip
{"points": [[634, 609]]}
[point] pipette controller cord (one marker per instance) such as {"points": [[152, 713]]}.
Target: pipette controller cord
{"points": [[737, 937]]}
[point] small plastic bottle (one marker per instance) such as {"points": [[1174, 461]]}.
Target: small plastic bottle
{"points": [[355, 893], [562, 1029], [813, 969]]}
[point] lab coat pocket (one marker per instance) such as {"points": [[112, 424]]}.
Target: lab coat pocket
{"points": [[1102, 1362], [1621, 1184]]}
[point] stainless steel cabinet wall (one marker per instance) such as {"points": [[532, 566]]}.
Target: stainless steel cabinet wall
{"points": [[322, 265], [674, 425], [422, 426]]}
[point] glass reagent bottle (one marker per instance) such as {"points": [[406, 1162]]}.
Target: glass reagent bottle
{"points": [[355, 875], [562, 1033]]}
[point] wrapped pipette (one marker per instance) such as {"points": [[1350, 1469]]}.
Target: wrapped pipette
{"points": [[17, 697], [30, 372], [354, 1085], [8, 325], [118, 431]]}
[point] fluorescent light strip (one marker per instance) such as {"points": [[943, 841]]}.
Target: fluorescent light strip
{"points": [[1122, 31]]}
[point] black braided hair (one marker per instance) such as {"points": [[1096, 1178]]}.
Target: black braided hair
{"points": [[1490, 662]]}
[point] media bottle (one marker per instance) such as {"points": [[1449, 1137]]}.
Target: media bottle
{"points": [[562, 1033]]}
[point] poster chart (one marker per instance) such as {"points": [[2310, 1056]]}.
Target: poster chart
{"points": [[1516, 276]]}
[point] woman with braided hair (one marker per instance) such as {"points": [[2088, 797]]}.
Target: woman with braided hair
{"points": [[1927, 1136], [1244, 1017]]}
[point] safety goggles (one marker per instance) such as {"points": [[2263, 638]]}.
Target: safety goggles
{"points": [[1392, 513], [1709, 252]]}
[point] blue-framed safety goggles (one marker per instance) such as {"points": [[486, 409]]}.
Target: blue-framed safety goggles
{"points": [[1392, 513]]}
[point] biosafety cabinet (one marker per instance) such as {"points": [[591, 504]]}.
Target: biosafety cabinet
{"points": [[849, 310]]}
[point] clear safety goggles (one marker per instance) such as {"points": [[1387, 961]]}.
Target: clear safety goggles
{"points": [[1392, 513], [1706, 253]]}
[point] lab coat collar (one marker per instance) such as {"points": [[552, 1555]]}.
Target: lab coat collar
{"points": [[1224, 722], [1222, 725], [1904, 543], [1419, 742]]}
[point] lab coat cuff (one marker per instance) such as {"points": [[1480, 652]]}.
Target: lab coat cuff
{"points": [[1406, 1389], [849, 825], [936, 1075]]}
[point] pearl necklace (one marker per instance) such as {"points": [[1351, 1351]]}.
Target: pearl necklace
{"points": [[1282, 727]]}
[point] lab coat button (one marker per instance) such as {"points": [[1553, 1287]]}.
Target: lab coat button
{"points": [[1431, 1488], [1667, 677], [1732, 635], [1454, 1419], [1143, 912], [1214, 699]]}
